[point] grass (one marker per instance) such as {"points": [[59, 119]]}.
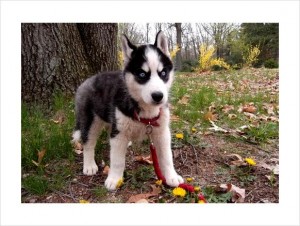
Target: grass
{"points": [[215, 90], [191, 98]]}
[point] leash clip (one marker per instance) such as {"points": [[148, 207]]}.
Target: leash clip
{"points": [[149, 129]]}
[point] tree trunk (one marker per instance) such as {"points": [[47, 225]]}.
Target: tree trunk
{"points": [[100, 44], [178, 40], [54, 58]]}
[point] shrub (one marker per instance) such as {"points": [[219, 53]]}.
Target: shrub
{"points": [[271, 63], [251, 56], [189, 65], [174, 51], [207, 61]]}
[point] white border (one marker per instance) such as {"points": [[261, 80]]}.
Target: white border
{"points": [[15, 213]]}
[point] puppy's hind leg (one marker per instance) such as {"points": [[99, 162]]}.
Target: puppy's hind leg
{"points": [[118, 147], [89, 165]]}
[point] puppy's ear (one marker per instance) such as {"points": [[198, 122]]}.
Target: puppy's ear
{"points": [[161, 42], [127, 48]]}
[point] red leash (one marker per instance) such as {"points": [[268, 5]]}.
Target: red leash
{"points": [[149, 128]]}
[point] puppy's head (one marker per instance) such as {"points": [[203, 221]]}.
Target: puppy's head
{"points": [[148, 70]]}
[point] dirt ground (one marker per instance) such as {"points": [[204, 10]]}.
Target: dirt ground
{"points": [[209, 164]]}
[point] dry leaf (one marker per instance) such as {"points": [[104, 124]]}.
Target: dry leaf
{"points": [[269, 108], [273, 168], [249, 108], [146, 159], [232, 116], [184, 100], [238, 194], [105, 170], [174, 118], [40, 155], [136, 198], [209, 116], [59, 117], [227, 108], [235, 160], [250, 115], [78, 148]]}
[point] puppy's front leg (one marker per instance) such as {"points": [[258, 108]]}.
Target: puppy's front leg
{"points": [[118, 146], [162, 143]]}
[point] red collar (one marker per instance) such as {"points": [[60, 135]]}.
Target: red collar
{"points": [[146, 121]]}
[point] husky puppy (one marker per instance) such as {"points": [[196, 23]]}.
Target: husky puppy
{"points": [[119, 100]]}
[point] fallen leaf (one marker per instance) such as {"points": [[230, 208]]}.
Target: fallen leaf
{"points": [[59, 117], [146, 159], [235, 160], [78, 148], [209, 116], [250, 109], [273, 168], [227, 108], [105, 170], [269, 108], [174, 118], [250, 115], [135, 198], [232, 116], [40, 155], [238, 194], [184, 100]]}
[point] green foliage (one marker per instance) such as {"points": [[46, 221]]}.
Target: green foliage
{"points": [[264, 132], [189, 65], [37, 185], [41, 131], [100, 191], [264, 35], [271, 63], [216, 197]]}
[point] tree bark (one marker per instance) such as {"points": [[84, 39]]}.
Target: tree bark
{"points": [[178, 40], [55, 58], [100, 44]]}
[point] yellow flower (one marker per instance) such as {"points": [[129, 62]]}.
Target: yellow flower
{"points": [[194, 130], [201, 201], [179, 135], [180, 192], [120, 183], [83, 201], [189, 179], [197, 188], [250, 161], [158, 182]]}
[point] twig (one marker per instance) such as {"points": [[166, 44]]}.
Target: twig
{"points": [[63, 194], [195, 153], [70, 191], [183, 160]]}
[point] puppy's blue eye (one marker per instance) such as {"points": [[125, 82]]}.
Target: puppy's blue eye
{"points": [[142, 74], [163, 73]]}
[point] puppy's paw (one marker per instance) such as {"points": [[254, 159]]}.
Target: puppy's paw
{"points": [[174, 180], [113, 182], [90, 168]]}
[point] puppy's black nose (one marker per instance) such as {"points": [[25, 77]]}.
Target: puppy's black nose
{"points": [[157, 96]]}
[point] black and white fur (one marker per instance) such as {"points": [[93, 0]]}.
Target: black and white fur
{"points": [[110, 99]]}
